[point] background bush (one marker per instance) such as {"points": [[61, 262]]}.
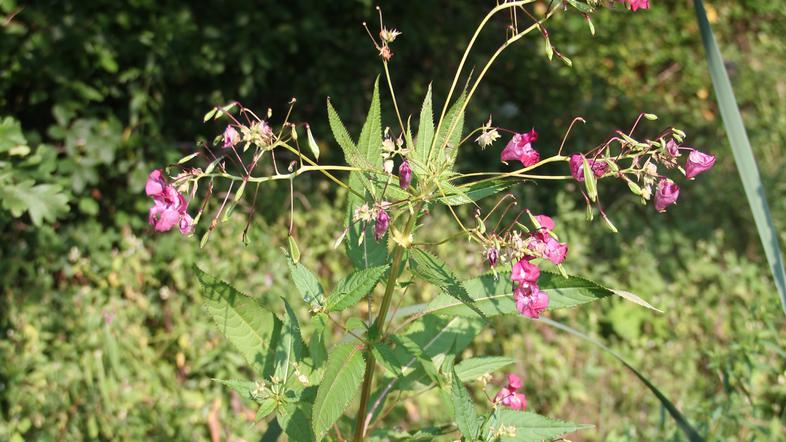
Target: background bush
{"points": [[102, 337]]}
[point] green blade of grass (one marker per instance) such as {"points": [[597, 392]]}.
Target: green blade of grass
{"points": [[743, 155], [682, 422]]}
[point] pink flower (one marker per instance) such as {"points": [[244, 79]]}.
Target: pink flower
{"points": [[169, 205], [698, 162], [673, 148], [666, 194], [519, 148], [231, 136], [542, 243], [545, 222], [530, 300], [508, 396], [381, 225], [404, 175], [492, 255], [636, 4], [525, 272], [576, 164]]}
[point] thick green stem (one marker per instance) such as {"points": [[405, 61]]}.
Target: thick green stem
{"points": [[378, 327]]}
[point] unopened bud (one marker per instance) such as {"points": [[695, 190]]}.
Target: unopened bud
{"points": [[404, 175], [493, 256], [382, 223]]}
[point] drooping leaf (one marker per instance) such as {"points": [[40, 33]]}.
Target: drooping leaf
{"points": [[358, 284], [252, 329], [473, 368], [743, 154], [433, 270], [289, 349], [675, 413], [532, 427], [464, 410], [342, 378], [495, 296]]}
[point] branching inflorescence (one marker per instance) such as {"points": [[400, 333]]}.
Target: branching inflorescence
{"points": [[385, 210]]}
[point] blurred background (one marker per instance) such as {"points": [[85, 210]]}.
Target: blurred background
{"points": [[101, 334]]}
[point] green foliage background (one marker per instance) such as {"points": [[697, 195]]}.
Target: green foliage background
{"points": [[101, 336]]}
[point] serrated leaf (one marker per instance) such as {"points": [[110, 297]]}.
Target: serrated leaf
{"points": [[317, 348], [473, 368], [370, 140], [456, 196], [495, 296], [342, 378], [289, 349], [351, 154], [252, 329], [295, 419], [532, 427], [356, 285], [464, 410], [431, 269], [425, 136], [387, 358], [306, 282], [266, 407]]}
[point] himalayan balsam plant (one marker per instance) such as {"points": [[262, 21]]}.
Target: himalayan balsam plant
{"points": [[394, 180]]}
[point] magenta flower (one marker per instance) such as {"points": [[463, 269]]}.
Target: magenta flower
{"points": [[698, 162], [169, 206], [666, 194], [492, 255], [231, 136], [508, 396], [525, 272], [404, 175], [576, 164], [634, 5], [673, 148], [545, 222], [381, 225], [530, 300], [554, 250], [519, 148]]}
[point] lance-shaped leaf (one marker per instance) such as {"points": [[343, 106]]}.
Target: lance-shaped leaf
{"points": [[306, 282], [473, 368], [252, 329], [290, 345], [358, 284], [433, 270], [351, 153], [743, 154], [340, 383], [370, 140], [495, 296], [531, 427], [446, 148], [679, 418], [464, 410], [425, 136]]}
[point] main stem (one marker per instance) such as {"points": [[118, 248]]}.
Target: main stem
{"points": [[378, 327]]}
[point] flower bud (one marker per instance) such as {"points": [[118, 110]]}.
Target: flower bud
{"points": [[382, 223], [492, 255], [404, 175], [231, 136], [388, 166]]}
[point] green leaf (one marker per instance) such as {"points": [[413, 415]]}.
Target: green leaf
{"points": [[11, 136], [387, 358], [252, 329], [531, 427], [431, 269], [473, 368], [370, 141], [342, 378], [494, 296], [317, 348], [349, 290], [306, 282], [43, 202], [295, 419], [290, 345], [464, 410], [244, 388], [743, 154], [351, 154], [452, 142], [425, 136], [456, 196], [675, 413]]}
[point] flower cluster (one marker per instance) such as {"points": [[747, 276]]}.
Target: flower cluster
{"points": [[169, 205], [636, 4], [509, 395]]}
